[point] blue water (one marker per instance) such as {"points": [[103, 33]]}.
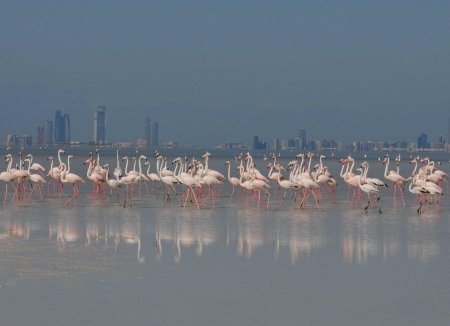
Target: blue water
{"points": [[159, 264]]}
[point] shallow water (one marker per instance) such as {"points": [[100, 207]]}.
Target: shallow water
{"points": [[159, 264]]}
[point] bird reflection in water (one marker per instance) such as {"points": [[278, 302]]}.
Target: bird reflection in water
{"points": [[249, 232], [359, 238], [129, 230], [68, 229], [300, 235], [10, 228], [422, 233], [380, 236], [189, 230], [65, 227]]}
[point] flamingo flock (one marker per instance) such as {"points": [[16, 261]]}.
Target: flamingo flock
{"points": [[194, 184]]}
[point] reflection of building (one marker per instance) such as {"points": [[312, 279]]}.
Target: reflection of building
{"points": [[100, 125], [62, 127]]}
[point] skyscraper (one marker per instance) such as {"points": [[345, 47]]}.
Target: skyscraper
{"points": [[48, 132], [448, 136], [99, 125], [147, 132], [62, 127], [302, 139], [422, 141], [40, 136], [154, 131]]}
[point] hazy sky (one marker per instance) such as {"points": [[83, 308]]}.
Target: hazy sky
{"points": [[220, 71]]}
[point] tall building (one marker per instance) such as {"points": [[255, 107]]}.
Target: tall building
{"points": [[48, 132], [255, 142], [40, 136], [448, 136], [62, 127], [155, 133], [422, 141], [257, 145], [148, 132], [100, 125], [20, 141], [302, 139]]}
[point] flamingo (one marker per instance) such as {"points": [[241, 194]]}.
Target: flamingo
{"points": [[285, 184], [114, 184], [352, 180], [395, 178], [188, 181], [209, 181], [368, 187], [169, 180], [419, 191], [36, 166], [72, 178], [152, 176], [37, 179], [7, 177], [234, 182]]}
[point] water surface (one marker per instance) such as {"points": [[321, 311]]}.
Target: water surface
{"points": [[159, 264]]}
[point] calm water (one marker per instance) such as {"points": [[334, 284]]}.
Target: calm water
{"points": [[157, 264]]}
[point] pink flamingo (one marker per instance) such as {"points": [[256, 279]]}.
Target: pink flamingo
{"points": [[72, 178], [395, 178]]}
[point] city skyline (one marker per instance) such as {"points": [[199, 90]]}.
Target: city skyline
{"points": [[151, 138]]}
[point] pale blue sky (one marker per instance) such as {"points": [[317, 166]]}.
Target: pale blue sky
{"points": [[216, 71]]}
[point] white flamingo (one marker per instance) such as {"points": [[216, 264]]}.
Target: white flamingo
{"points": [[72, 178]]}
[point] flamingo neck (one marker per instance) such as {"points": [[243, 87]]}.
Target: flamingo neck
{"points": [[386, 167]]}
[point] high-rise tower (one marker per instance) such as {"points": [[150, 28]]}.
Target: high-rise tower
{"points": [[147, 132], [62, 127], [448, 136], [100, 125], [155, 132], [302, 139], [48, 132]]}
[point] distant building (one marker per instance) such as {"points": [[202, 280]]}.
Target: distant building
{"points": [[19, 141], [232, 146], [40, 136], [148, 132], [302, 143], [422, 141], [10, 140], [448, 131], [100, 125], [257, 145], [155, 134], [48, 132], [276, 144], [62, 127]]}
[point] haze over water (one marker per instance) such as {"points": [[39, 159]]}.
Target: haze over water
{"points": [[160, 264]]}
